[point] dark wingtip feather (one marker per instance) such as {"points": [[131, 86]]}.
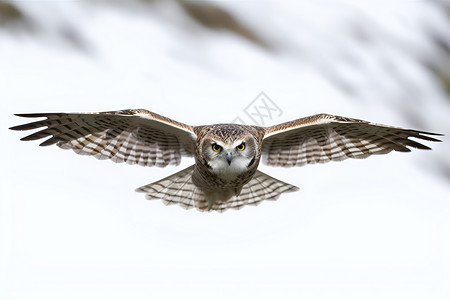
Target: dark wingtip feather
{"points": [[50, 141], [430, 133], [32, 125], [35, 115], [425, 136], [36, 136], [15, 127], [402, 149], [27, 126]]}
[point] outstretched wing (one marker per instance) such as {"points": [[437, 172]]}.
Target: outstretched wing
{"points": [[135, 136], [322, 138]]}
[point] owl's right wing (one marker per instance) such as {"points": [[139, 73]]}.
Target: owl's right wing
{"points": [[135, 136], [323, 138]]}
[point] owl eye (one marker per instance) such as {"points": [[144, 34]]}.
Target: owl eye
{"points": [[241, 147], [216, 147]]}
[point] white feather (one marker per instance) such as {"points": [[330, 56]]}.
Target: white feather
{"points": [[226, 171]]}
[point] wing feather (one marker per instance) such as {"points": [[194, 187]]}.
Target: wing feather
{"points": [[323, 138], [134, 136]]}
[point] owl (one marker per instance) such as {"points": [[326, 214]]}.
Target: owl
{"points": [[225, 173]]}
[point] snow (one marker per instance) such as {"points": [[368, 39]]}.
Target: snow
{"points": [[72, 227]]}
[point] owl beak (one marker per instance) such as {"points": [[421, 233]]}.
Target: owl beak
{"points": [[229, 157]]}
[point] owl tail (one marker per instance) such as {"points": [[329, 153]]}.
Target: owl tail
{"points": [[179, 189], [261, 187]]}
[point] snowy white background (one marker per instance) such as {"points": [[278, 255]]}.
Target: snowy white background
{"points": [[72, 227]]}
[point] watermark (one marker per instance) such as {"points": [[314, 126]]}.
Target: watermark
{"points": [[261, 111]]}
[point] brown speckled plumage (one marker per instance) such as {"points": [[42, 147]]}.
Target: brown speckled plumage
{"points": [[142, 137]]}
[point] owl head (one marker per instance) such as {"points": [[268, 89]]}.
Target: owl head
{"points": [[229, 150]]}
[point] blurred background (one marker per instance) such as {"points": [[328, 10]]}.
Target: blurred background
{"points": [[72, 227]]}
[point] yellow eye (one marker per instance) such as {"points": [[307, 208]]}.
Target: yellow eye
{"points": [[216, 147], [241, 147]]}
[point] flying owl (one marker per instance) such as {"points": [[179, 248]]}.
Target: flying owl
{"points": [[225, 174]]}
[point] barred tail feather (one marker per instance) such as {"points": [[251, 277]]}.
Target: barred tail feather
{"points": [[179, 189], [261, 187]]}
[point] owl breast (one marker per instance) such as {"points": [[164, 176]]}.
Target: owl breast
{"points": [[232, 171], [220, 175]]}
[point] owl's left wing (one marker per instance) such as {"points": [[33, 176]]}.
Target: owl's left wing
{"points": [[322, 138], [134, 136]]}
